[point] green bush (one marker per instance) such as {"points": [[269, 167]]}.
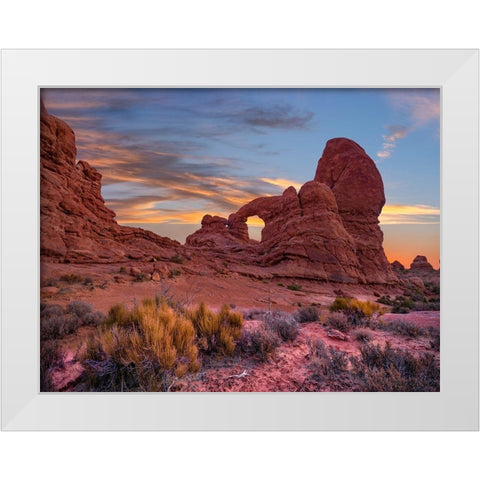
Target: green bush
{"points": [[432, 288], [295, 287], [385, 300]]}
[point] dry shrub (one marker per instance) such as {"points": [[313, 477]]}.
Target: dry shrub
{"points": [[401, 327], [338, 321], [217, 332], [120, 315], [376, 369], [72, 278], [261, 341], [362, 335], [283, 324], [357, 312], [434, 333], [145, 349], [326, 363], [50, 359], [307, 315], [56, 322], [352, 306], [385, 369]]}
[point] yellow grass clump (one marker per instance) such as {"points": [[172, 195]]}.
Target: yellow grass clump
{"points": [[353, 305], [217, 332], [150, 346]]}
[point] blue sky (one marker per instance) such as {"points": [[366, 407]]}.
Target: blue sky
{"points": [[169, 156]]}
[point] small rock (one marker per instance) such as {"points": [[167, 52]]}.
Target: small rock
{"points": [[49, 290], [417, 282], [337, 335]]}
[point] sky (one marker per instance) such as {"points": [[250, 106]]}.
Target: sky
{"points": [[170, 156]]}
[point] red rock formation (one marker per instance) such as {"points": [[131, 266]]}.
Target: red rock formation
{"points": [[397, 266], [358, 188], [303, 235], [329, 230], [214, 232], [75, 224], [420, 264]]}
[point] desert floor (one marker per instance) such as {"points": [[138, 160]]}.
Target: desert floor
{"points": [[287, 370]]}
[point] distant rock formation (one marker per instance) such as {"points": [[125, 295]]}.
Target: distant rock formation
{"points": [[75, 224], [397, 266], [328, 231], [420, 264]]}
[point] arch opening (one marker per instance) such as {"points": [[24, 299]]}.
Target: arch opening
{"points": [[255, 227]]}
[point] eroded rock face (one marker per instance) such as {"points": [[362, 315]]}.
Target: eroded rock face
{"points": [[75, 224], [214, 232], [358, 189], [303, 235]]}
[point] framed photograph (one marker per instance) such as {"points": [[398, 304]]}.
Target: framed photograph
{"points": [[240, 239]]}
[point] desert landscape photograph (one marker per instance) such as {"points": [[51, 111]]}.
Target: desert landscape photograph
{"points": [[239, 240]]}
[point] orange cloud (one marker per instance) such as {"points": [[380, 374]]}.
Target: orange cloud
{"points": [[409, 214], [282, 182]]}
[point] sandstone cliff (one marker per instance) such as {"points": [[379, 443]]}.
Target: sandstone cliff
{"points": [[75, 224]]}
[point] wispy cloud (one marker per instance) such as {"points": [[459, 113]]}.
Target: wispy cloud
{"points": [[150, 148], [421, 107], [418, 108], [395, 132], [278, 116], [409, 214]]}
